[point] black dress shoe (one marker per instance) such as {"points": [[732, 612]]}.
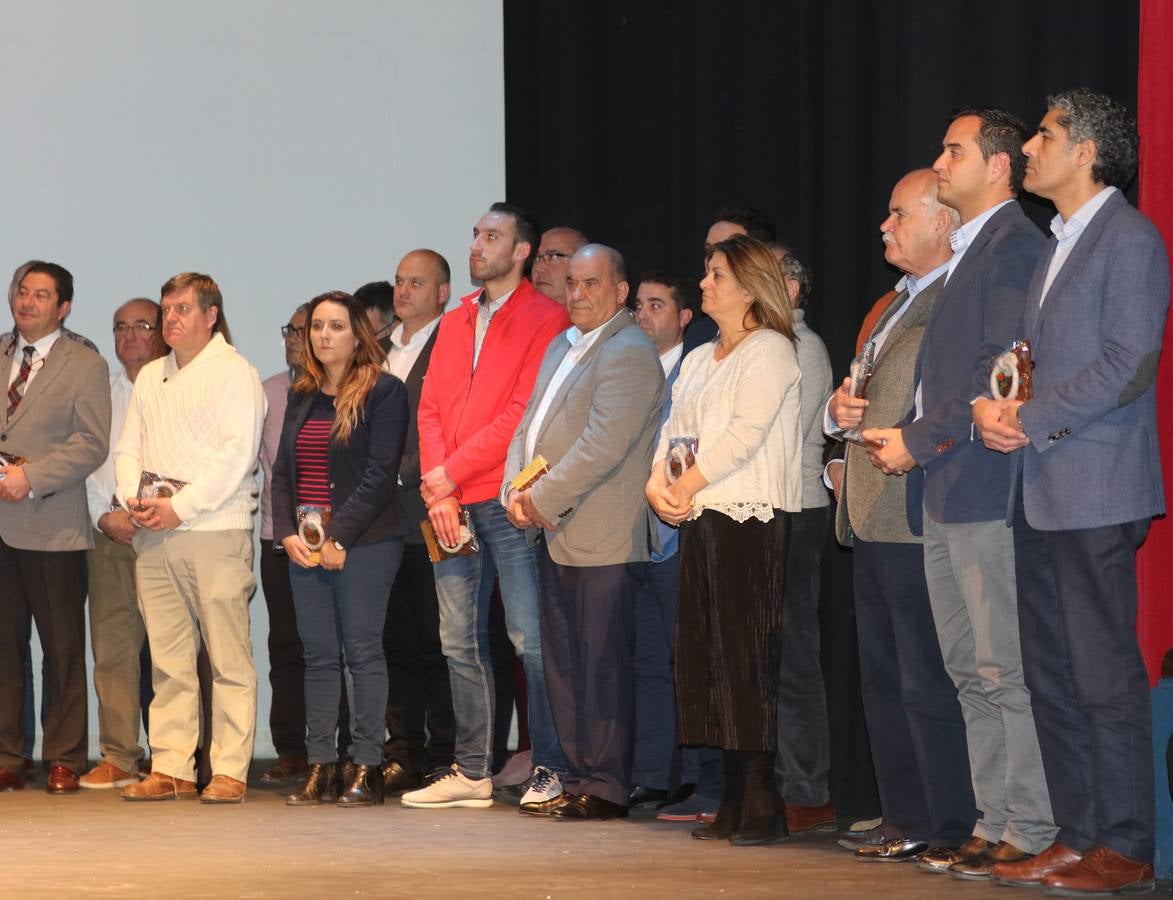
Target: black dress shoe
{"points": [[646, 796], [588, 806], [545, 807], [397, 779], [897, 850], [321, 787], [511, 793], [365, 787]]}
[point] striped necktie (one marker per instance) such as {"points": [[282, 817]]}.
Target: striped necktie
{"points": [[16, 389]]}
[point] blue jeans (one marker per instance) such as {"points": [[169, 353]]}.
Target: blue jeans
{"points": [[345, 611], [463, 587]]}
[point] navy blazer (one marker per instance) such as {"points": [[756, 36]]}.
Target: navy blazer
{"points": [[977, 315], [363, 472], [1093, 458]]}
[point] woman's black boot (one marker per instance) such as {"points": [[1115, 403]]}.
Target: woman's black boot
{"points": [[320, 787], [365, 788], [729, 812], [763, 815]]}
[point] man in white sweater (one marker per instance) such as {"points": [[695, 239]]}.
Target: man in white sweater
{"points": [[194, 424]]}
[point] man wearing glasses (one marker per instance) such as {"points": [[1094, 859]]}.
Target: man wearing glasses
{"points": [[553, 260], [116, 625]]}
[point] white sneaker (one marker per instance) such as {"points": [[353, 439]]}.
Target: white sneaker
{"points": [[451, 789], [544, 786]]}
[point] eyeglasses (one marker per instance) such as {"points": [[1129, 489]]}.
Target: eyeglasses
{"points": [[141, 327], [551, 256], [292, 331]]}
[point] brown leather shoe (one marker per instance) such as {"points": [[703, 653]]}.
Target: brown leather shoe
{"points": [[10, 781], [286, 769], [1032, 871], [62, 780], [1101, 871], [158, 786], [810, 818], [222, 789], [979, 866]]}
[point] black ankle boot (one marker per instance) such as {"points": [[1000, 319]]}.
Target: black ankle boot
{"points": [[320, 787], [729, 812], [365, 788], [763, 815]]}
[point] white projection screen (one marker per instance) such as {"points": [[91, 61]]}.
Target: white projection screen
{"points": [[285, 147]]}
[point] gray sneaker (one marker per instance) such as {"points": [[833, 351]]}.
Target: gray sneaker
{"points": [[544, 786]]}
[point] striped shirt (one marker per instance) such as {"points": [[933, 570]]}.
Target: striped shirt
{"points": [[311, 453]]}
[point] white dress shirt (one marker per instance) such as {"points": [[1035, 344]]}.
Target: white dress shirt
{"points": [[42, 348], [485, 313], [100, 485], [669, 358], [1067, 234], [960, 239], [401, 358]]}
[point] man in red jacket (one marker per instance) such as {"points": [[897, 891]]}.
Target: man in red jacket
{"points": [[479, 379]]}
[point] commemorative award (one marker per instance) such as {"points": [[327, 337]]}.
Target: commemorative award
{"points": [[10, 459], [681, 457], [311, 528], [1011, 377], [438, 551], [151, 485], [860, 374], [530, 475]]}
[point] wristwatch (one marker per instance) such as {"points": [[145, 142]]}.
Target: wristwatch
{"points": [[338, 546]]}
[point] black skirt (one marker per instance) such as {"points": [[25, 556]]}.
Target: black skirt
{"points": [[729, 630]]}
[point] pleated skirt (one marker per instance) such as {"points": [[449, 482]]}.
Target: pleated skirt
{"points": [[729, 630]]}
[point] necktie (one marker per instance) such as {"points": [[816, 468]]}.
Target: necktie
{"points": [[16, 389]]}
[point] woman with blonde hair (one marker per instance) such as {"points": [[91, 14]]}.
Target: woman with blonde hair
{"points": [[336, 513], [735, 407]]}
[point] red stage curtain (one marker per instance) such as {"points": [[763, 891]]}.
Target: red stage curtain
{"points": [[1154, 94]]}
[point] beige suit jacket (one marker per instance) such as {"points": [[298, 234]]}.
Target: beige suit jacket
{"points": [[62, 427]]}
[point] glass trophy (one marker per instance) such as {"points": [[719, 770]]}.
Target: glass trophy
{"points": [[1011, 377], [151, 485], [311, 528], [860, 374], [438, 551], [681, 457]]}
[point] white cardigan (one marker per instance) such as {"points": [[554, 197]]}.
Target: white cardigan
{"points": [[745, 412]]}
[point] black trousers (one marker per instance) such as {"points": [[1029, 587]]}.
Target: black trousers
{"points": [[420, 725], [1089, 690], [914, 721], [588, 642], [48, 587]]}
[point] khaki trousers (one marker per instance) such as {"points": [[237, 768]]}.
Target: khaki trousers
{"points": [[116, 637], [193, 586]]}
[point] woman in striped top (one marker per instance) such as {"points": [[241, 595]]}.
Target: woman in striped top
{"points": [[341, 442]]}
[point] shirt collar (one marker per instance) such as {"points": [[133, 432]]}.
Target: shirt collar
{"points": [[418, 339], [961, 238], [585, 338], [915, 285], [1065, 231], [669, 358], [42, 345], [488, 309]]}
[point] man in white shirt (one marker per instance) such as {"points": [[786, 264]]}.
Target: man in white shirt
{"points": [[117, 632], [195, 419], [420, 726]]}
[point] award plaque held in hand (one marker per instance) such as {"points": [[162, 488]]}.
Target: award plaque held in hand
{"points": [[312, 522], [10, 459], [439, 551], [861, 373], [1011, 377], [151, 485], [531, 474], [681, 457]]}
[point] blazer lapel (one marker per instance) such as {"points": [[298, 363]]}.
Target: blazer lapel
{"points": [[8, 342], [1030, 318], [54, 364]]}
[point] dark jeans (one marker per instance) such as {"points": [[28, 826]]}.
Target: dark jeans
{"points": [[655, 691], [346, 610]]}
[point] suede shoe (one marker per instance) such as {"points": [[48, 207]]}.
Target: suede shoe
{"points": [[1033, 871], [106, 775], [158, 786], [801, 818], [222, 789], [286, 769], [691, 810], [854, 839], [1101, 871]]}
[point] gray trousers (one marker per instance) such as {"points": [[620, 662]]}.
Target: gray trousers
{"points": [[972, 590], [116, 637]]}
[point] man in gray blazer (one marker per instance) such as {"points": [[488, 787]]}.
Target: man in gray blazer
{"points": [[914, 722], [1088, 480], [56, 414], [594, 415]]}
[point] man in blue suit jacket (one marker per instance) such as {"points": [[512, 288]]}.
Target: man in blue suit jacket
{"points": [[968, 550], [1088, 482]]}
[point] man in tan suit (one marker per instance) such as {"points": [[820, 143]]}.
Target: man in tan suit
{"points": [[56, 415], [914, 721]]}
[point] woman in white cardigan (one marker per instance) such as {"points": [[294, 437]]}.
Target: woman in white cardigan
{"points": [[739, 398]]}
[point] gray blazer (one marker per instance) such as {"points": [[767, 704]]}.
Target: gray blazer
{"points": [[874, 506], [1093, 458], [598, 437], [63, 427]]}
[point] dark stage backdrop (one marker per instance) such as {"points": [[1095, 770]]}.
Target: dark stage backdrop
{"points": [[636, 121]]}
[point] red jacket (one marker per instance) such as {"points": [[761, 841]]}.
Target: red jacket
{"points": [[467, 418]]}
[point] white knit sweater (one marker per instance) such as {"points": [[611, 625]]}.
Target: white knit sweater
{"points": [[200, 424], [745, 413]]}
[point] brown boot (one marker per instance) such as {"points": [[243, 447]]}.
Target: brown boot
{"points": [[1032, 871], [158, 786], [222, 789]]}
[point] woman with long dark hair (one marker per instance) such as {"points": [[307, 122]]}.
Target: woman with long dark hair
{"points": [[735, 412], [336, 513]]}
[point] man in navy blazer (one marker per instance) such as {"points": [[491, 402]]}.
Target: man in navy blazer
{"points": [[968, 550], [1088, 480]]}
